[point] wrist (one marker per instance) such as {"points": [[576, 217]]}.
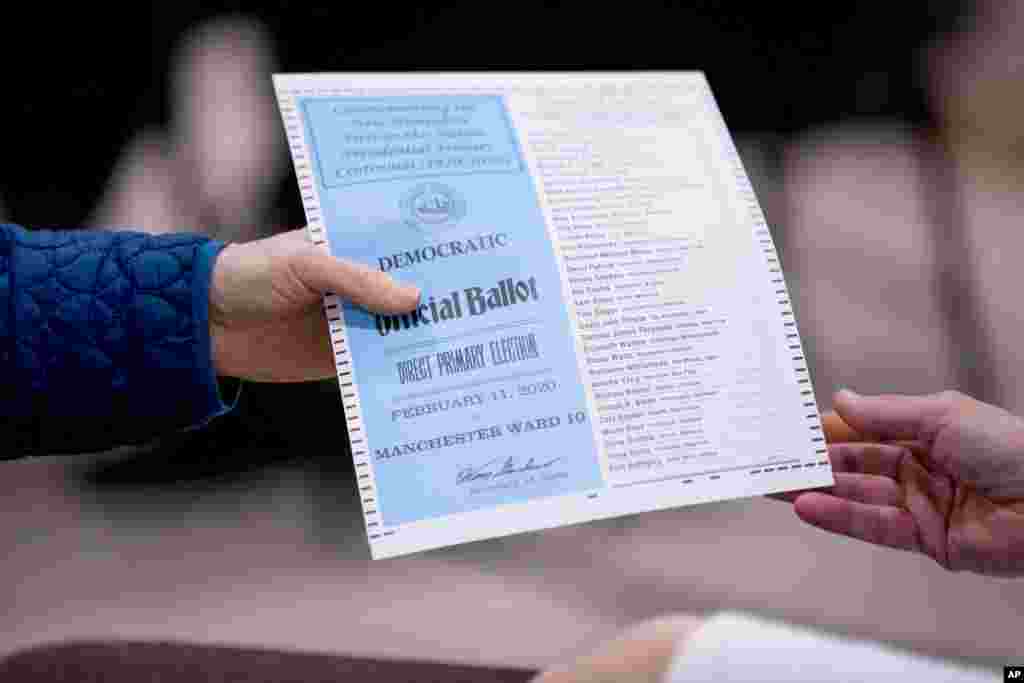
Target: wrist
{"points": [[219, 285], [217, 314]]}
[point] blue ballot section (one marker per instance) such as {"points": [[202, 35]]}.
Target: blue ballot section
{"points": [[475, 399]]}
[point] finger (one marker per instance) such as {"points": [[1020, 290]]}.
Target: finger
{"points": [[791, 496], [878, 524], [929, 499], [867, 488], [863, 458], [863, 488], [838, 431], [354, 282], [890, 416], [867, 458]]}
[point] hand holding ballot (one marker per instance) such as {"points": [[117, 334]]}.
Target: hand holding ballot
{"points": [[941, 474], [266, 306]]}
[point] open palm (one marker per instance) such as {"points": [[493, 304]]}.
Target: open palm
{"points": [[941, 474]]}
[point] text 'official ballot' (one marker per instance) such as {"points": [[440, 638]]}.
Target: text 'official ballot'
{"points": [[477, 300], [604, 326]]}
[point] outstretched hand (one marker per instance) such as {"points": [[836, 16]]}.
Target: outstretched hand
{"points": [[941, 474], [266, 314]]}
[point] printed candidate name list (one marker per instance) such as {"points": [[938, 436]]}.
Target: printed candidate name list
{"points": [[604, 326]]}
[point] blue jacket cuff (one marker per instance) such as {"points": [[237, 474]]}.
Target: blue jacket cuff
{"points": [[214, 404]]}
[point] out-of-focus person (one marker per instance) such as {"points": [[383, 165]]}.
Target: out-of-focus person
{"points": [[902, 243], [219, 162]]}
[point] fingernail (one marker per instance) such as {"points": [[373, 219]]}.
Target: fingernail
{"points": [[849, 393]]}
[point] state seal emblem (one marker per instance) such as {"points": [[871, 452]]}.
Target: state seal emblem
{"points": [[432, 204]]}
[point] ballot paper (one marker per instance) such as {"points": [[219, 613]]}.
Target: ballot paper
{"points": [[604, 326]]}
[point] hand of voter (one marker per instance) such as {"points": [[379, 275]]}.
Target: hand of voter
{"points": [[940, 474], [266, 315]]}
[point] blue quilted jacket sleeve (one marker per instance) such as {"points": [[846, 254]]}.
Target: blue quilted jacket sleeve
{"points": [[104, 339]]}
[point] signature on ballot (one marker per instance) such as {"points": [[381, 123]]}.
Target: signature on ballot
{"points": [[509, 465]]}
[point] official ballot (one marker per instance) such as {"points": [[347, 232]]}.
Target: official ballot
{"points": [[604, 325]]}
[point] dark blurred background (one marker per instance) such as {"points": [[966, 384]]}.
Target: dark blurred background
{"points": [[83, 80], [885, 143]]}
